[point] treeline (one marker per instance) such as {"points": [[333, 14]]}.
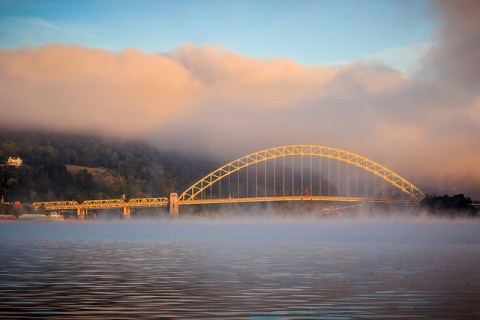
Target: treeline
{"points": [[69, 167], [446, 205]]}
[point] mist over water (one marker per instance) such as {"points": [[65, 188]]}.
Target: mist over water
{"points": [[248, 267], [258, 230]]}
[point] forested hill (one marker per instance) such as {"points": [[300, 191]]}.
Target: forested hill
{"points": [[68, 167]]}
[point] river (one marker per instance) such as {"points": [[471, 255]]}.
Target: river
{"points": [[251, 268]]}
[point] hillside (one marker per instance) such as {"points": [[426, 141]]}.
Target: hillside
{"points": [[69, 167]]}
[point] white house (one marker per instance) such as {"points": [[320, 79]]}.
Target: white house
{"points": [[16, 162]]}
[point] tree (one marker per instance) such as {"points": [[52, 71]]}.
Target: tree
{"points": [[458, 204]]}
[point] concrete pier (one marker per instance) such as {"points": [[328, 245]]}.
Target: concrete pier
{"points": [[174, 204]]}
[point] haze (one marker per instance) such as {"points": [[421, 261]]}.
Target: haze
{"points": [[206, 97], [255, 231]]}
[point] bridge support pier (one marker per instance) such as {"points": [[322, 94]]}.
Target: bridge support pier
{"points": [[126, 212], [174, 204], [80, 214]]}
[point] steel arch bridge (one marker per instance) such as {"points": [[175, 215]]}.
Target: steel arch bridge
{"points": [[287, 173], [290, 179]]}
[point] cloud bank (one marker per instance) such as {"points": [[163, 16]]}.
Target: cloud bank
{"points": [[209, 99]]}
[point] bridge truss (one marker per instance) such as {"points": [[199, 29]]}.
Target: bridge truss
{"points": [[81, 208], [301, 172]]}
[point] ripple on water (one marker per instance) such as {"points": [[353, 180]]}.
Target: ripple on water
{"points": [[107, 279]]}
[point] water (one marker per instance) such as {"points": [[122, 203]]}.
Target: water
{"points": [[250, 269]]}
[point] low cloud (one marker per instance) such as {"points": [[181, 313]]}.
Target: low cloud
{"points": [[81, 89], [425, 126]]}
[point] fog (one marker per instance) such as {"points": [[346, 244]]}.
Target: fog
{"points": [[256, 230], [257, 264], [213, 101]]}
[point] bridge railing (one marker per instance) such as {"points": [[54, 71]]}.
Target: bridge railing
{"points": [[55, 205]]}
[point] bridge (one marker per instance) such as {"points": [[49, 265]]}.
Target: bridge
{"points": [[286, 173], [81, 208]]}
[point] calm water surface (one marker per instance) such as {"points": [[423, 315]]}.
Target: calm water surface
{"points": [[249, 269]]}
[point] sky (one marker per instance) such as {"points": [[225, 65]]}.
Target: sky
{"points": [[394, 81], [309, 32]]}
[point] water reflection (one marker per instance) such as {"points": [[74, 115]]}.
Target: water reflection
{"points": [[250, 271]]}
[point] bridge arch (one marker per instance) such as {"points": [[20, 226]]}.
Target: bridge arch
{"points": [[190, 195]]}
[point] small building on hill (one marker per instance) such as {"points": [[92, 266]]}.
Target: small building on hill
{"points": [[15, 162]]}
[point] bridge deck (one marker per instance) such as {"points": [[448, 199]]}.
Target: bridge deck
{"points": [[163, 202], [292, 198]]}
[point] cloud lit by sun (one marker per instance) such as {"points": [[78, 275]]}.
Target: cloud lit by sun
{"points": [[207, 97]]}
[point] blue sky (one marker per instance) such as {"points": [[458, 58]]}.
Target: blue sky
{"points": [[309, 32]]}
